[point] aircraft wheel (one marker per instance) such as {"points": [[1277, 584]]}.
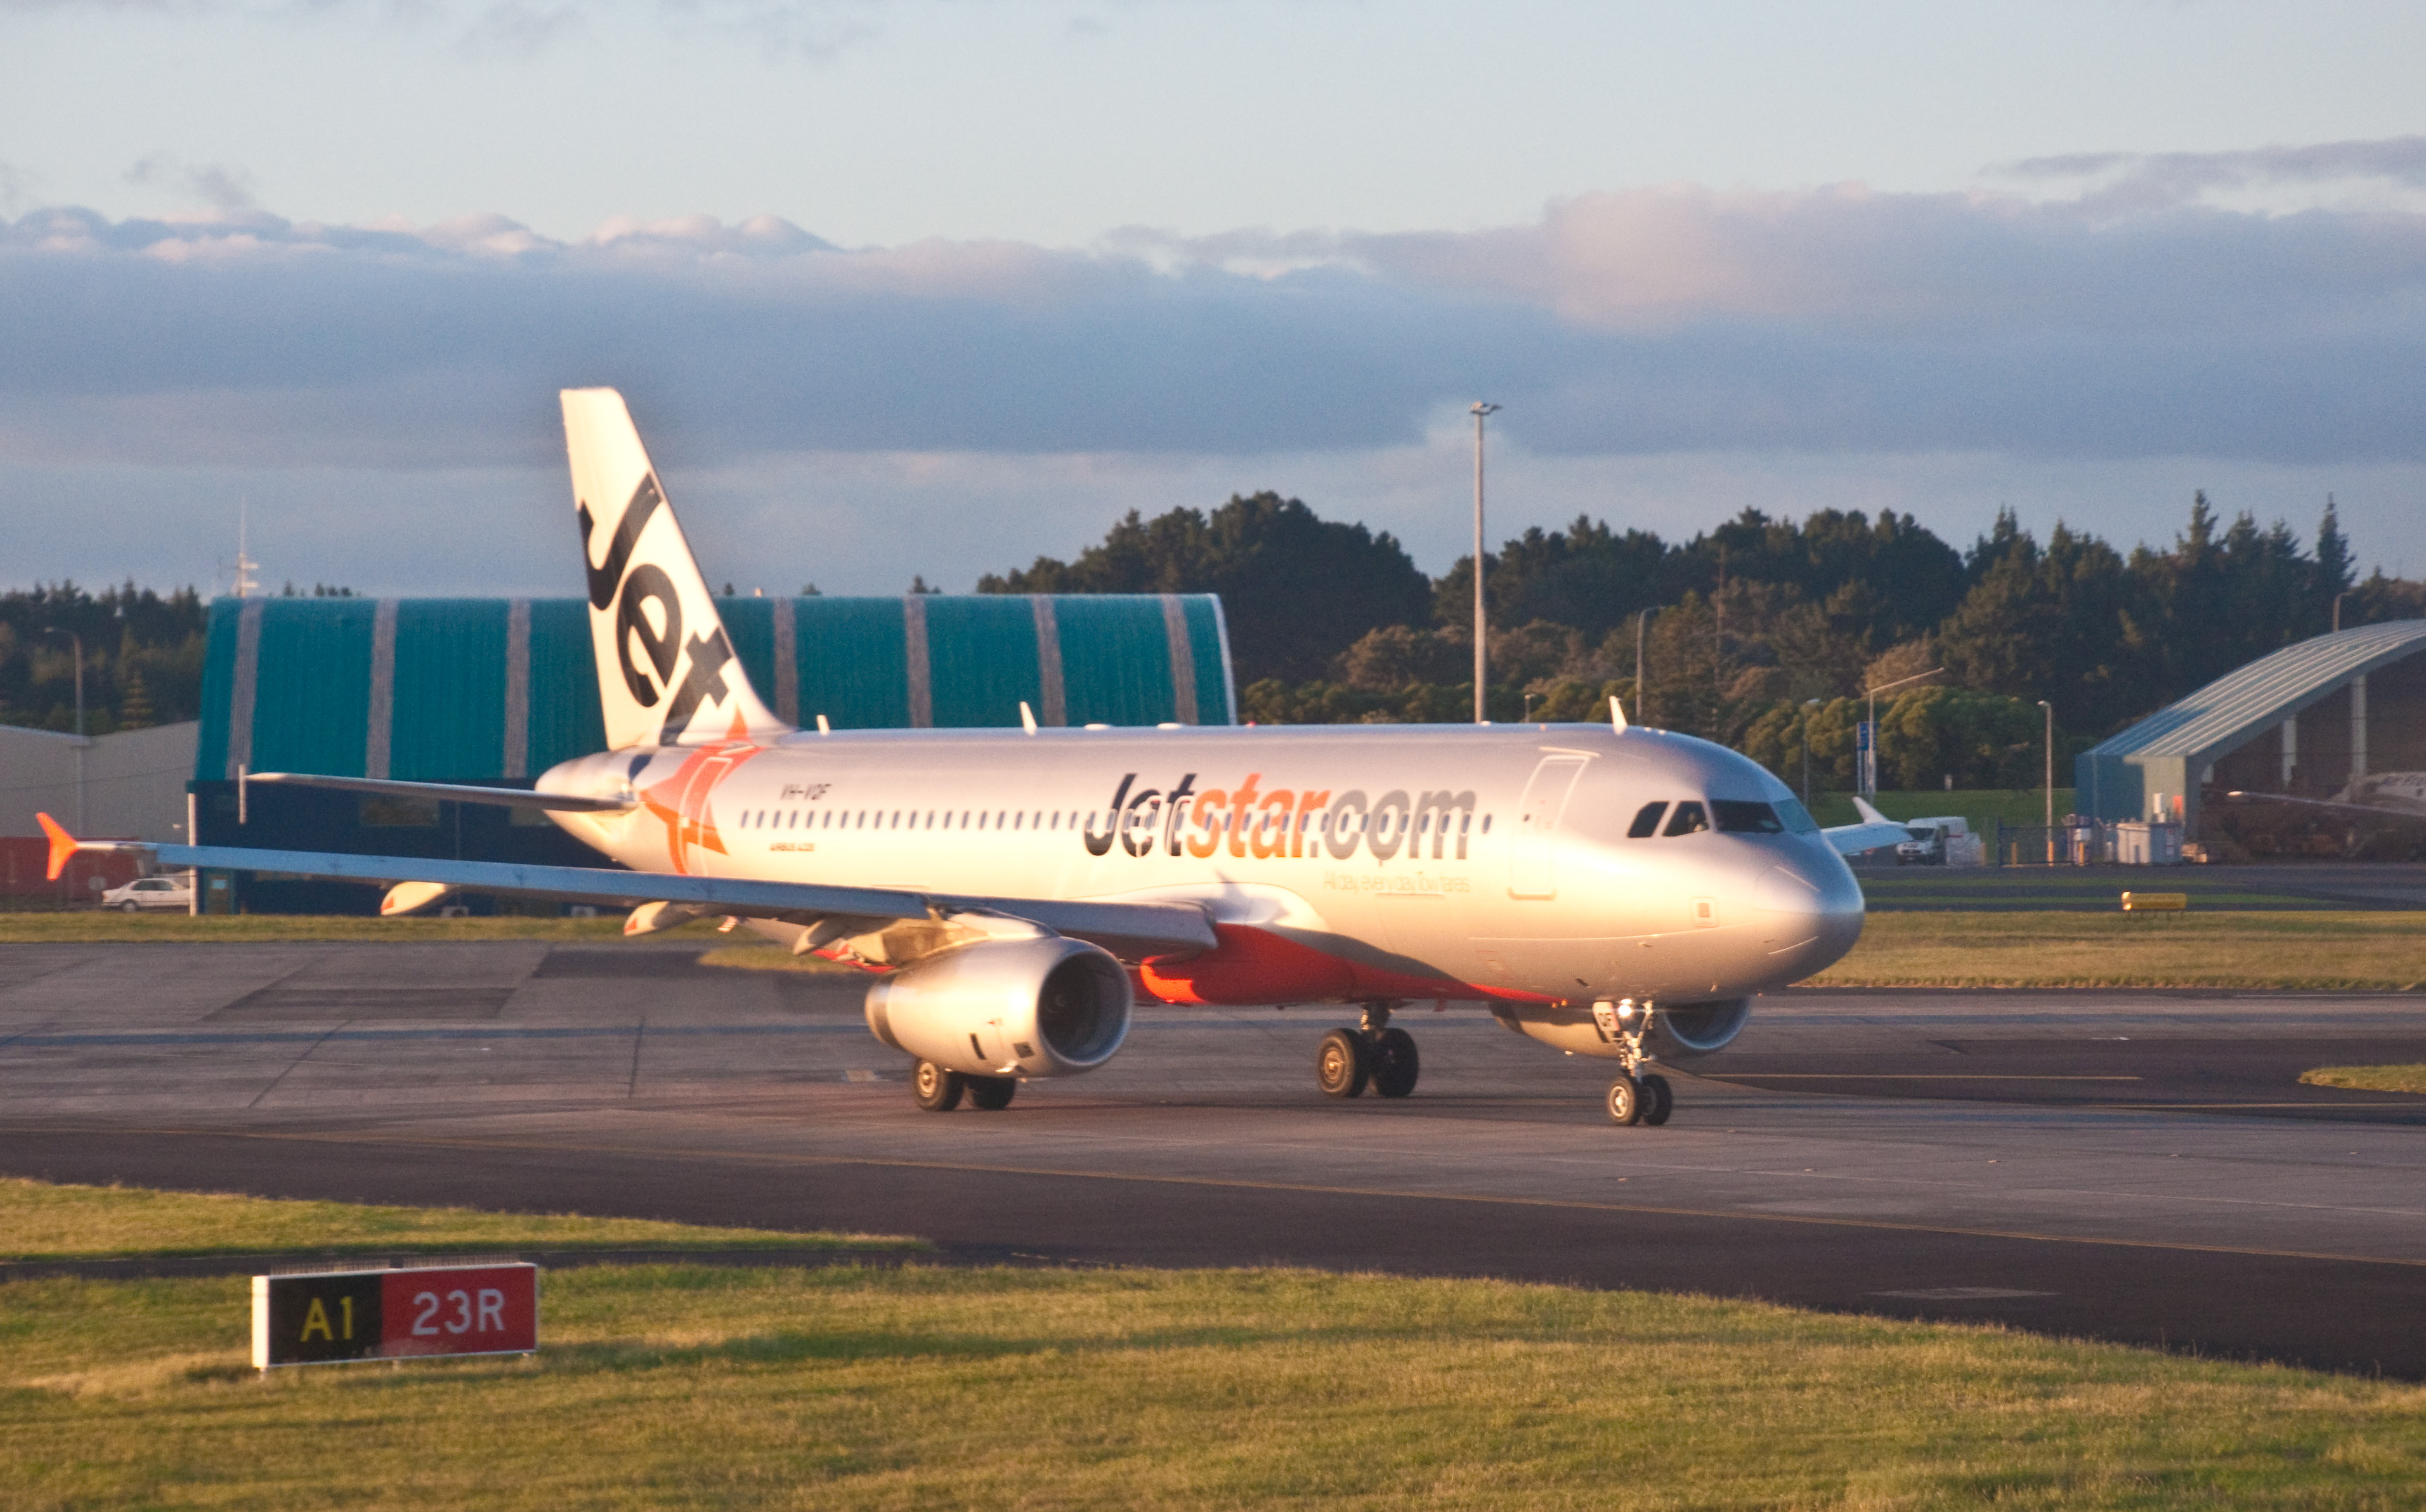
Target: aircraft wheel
{"points": [[1657, 1099], [1625, 1101], [1395, 1063], [936, 1089], [991, 1093], [1341, 1066]]}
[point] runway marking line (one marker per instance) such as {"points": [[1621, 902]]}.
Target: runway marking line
{"points": [[1239, 1184], [1899, 1076]]}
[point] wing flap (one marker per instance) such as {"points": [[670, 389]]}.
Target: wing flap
{"points": [[1129, 930], [514, 797]]}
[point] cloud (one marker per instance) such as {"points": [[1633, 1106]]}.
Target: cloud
{"points": [[17, 189], [222, 188], [1836, 320], [2140, 182], [813, 31]]}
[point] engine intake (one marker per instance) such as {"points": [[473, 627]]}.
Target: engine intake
{"points": [[1047, 1006], [1699, 1028]]}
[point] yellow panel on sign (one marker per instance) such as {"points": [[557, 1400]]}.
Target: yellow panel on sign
{"points": [[2155, 902]]}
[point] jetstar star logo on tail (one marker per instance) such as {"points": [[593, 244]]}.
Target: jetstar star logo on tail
{"points": [[683, 799]]}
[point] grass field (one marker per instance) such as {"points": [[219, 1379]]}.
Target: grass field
{"points": [[765, 955], [2082, 889], [2370, 1078], [917, 1387], [41, 1221], [2318, 951], [97, 927]]}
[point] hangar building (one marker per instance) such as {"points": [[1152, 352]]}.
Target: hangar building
{"points": [[498, 690], [2304, 721]]}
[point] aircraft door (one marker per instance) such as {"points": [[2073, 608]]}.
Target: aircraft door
{"points": [[1534, 859]]}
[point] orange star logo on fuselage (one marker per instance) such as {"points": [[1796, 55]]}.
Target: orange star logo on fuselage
{"points": [[682, 800]]}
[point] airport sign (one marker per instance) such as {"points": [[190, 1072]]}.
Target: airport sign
{"points": [[338, 1317]]}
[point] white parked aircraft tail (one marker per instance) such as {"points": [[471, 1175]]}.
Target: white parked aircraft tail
{"points": [[667, 673]]}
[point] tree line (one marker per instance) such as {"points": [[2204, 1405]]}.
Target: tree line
{"points": [[1761, 633], [142, 655]]}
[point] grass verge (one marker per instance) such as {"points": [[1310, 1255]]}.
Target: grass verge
{"points": [[2257, 952], [102, 926], [858, 1387], [43, 1221], [768, 956], [2370, 1078]]}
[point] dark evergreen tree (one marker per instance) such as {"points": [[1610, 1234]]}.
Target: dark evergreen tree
{"points": [[1297, 590], [2334, 574]]}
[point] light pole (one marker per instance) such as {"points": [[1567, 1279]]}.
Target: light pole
{"points": [[1482, 630], [2050, 779], [1808, 704], [1869, 777], [78, 641], [1641, 622]]}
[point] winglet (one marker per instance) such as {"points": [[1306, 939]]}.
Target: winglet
{"points": [[1616, 714], [62, 846], [1870, 815]]}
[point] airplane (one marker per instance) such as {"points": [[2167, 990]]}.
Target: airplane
{"points": [[1610, 891], [2371, 796]]}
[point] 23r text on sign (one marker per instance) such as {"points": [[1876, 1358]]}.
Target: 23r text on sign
{"points": [[331, 1317]]}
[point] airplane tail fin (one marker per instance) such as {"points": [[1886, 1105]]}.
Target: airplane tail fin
{"points": [[667, 673], [63, 846]]}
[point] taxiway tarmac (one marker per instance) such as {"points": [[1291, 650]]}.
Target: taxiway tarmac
{"points": [[2138, 1166]]}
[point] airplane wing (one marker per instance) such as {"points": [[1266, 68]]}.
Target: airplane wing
{"points": [[1875, 829], [516, 797], [2356, 811], [1129, 930]]}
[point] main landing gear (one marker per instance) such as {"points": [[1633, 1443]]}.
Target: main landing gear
{"points": [[1636, 1096], [1376, 1056], [938, 1090]]}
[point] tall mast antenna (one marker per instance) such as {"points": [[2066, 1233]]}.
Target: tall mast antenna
{"points": [[246, 584]]}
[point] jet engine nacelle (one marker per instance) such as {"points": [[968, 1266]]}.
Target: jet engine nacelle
{"points": [[1681, 1029], [1045, 1006], [1699, 1028]]}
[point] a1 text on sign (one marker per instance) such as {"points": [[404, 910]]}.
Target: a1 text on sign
{"points": [[329, 1317]]}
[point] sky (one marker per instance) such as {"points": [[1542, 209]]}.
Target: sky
{"points": [[932, 287]]}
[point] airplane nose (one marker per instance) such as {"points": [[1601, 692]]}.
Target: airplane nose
{"points": [[1813, 913]]}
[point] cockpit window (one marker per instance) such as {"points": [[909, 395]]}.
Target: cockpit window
{"points": [[1798, 818], [1737, 817], [1690, 820], [1646, 822]]}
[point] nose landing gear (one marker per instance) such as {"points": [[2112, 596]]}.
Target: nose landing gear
{"points": [[1635, 1095], [1376, 1056]]}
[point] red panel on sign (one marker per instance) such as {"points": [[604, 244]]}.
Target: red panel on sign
{"points": [[484, 1310]]}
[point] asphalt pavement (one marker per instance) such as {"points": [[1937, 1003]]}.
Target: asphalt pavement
{"points": [[2138, 1166]]}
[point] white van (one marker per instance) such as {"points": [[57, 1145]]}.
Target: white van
{"points": [[1945, 841]]}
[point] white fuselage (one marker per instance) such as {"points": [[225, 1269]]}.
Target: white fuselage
{"points": [[1493, 856]]}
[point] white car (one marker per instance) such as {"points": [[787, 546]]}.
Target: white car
{"points": [[175, 891]]}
